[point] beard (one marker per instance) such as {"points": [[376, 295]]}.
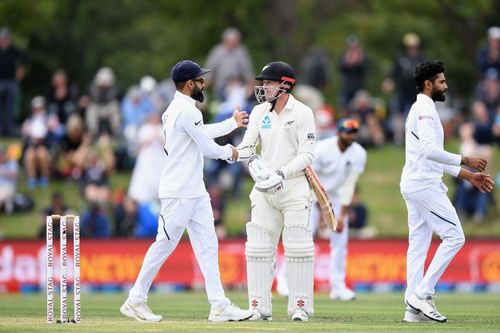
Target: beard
{"points": [[197, 94], [438, 95], [345, 141]]}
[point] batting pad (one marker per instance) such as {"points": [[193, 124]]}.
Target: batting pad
{"points": [[259, 251], [299, 252]]}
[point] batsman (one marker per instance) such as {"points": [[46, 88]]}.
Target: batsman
{"points": [[284, 129]]}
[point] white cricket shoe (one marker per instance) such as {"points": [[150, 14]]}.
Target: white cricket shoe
{"points": [[414, 316], [257, 315], [343, 294], [140, 312], [229, 313], [300, 315], [427, 307]]}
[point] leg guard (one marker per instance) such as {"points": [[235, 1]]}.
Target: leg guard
{"points": [[299, 252], [260, 252]]}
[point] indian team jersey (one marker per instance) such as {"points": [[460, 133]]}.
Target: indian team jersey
{"points": [[332, 165], [287, 139], [187, 140], [425, 157]]}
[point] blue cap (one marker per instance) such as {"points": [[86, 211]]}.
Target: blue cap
{"points": [[348, 125], [187, 70]]}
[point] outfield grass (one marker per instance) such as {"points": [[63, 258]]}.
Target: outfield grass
{"points": [[379, 191], [188, 312]]}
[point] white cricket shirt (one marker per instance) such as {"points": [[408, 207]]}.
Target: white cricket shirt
{"points": [[425, 157], [333, 166], [287, 139], [187, 140]]}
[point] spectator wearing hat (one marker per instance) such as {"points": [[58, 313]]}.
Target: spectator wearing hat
{"points": [[103, 112], [400, 81], [489, 55], [11, 71], [37, 132]]}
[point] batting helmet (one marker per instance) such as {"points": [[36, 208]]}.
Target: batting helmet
{"points": [[278, 71]]}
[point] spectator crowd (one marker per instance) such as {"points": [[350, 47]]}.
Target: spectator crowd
{"points": [[85, 135]]}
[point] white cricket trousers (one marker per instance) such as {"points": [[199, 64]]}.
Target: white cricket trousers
{"points": [[177, 214], [429, 211], [338, 246]]}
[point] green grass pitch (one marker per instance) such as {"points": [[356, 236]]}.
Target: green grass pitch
{"points": [[188, 312]]}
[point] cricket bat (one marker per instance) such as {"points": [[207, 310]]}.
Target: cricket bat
{"points": [[323, 200]]}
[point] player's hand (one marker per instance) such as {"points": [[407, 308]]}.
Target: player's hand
{"points": [[482, 181], [241, 117], [340, 223], [474, 162], [235, 154], [270, 185]]}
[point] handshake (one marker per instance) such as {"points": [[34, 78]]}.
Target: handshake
{"points": [[266, 180]]}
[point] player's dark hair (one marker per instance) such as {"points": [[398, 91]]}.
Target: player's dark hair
{"points": [[180, 85], [427, 70]]}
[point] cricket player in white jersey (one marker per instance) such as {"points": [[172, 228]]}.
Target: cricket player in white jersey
{"points": [[339, 161], [185, 202], [281, 197], [429, 209]]}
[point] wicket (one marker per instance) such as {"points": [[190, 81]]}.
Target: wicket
{"points": [[63, 254]]}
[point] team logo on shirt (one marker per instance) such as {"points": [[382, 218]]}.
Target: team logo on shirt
{"points": [[311, 136], [266, 122]]}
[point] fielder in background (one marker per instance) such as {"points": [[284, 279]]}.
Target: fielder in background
{"points": [[339, 162], [429, 209], [281, 198], [185, 202]]}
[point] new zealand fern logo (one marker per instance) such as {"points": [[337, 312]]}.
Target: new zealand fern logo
{"points": [[266, 122]]}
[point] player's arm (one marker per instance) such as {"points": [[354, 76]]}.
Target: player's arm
{"points": [[238, 120], [452, 170], [482, 181], [349, 186], [346, 194], [192, 122], [426, 137], [306, 135], [251, 138]]}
